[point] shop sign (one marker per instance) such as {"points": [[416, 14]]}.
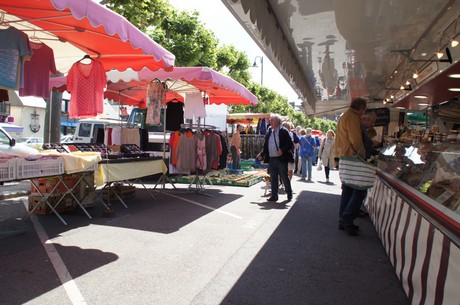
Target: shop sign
{"points": [[383, 116]]}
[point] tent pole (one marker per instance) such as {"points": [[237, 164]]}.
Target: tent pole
{"points": [[164, 177]]}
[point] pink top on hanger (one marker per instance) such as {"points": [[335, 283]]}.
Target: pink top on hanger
{"points": [[86, 83]]}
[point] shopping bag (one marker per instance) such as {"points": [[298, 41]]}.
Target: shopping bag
{"points": [[320, 166], [356, 172]]}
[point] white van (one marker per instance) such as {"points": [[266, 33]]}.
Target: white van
{"points": [[89, 130]]}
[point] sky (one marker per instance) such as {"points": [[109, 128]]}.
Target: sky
{"points": [[227, 29]]}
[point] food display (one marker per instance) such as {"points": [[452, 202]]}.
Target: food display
{"points": [[431, 168]]}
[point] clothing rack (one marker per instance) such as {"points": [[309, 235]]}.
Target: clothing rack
{"points": [[199, 180]]}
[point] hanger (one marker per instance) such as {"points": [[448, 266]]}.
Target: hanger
{"points": [[4, 24], [86, 57]]}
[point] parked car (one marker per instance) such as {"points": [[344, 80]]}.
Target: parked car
{"points": [[35, 142], [8, 145], [67, 138]]}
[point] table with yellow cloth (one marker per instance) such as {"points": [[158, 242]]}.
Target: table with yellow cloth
{"points": [[128, 170]]}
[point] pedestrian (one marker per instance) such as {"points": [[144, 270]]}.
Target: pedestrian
{"points": [[307, 152], [277, 152], [348, 142], [316, 155], [235, 147], [326, 153], [291, 164], [368, 132], [297, 166]]}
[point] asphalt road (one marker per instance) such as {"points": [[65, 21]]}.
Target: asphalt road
{"points": [[187, 248]]}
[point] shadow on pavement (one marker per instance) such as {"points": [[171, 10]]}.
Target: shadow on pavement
{"points": [[31, 274], [308, 261]]}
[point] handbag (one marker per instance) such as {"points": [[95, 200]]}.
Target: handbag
{"points": [[320, 166], [356, 172]]}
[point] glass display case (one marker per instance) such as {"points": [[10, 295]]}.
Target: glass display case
{"points": [[431, 168]]}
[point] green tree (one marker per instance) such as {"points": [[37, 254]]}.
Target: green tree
{"points": [[183, 34]]}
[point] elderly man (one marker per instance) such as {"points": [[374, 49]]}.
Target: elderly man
{"points": [[349, 141], [278, 152]]}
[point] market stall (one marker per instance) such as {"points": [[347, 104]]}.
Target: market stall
{"points": [[415, 207], [72, 36]]}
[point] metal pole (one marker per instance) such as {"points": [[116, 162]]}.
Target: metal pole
{"points": [[261, 70]]}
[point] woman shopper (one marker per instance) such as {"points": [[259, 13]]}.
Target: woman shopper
{"points": [[307, 152], [326, 153]]}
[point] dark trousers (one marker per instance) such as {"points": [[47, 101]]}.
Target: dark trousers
{"points": [[278, 168], [350, 202], [296, 160], [327, 170], [235, 157]]}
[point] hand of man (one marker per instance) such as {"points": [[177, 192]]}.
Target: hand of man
{"points": [[280, 152]]}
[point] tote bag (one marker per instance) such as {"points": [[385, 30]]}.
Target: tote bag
{"points": [[356, 172]]}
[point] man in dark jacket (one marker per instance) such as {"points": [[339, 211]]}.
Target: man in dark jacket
{"points": [[277, 152]]}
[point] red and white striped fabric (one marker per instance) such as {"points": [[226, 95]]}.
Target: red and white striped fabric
{"points": [[426, 261]]}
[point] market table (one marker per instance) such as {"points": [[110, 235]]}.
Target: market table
{"points": [[82, 163], [127, 170]]}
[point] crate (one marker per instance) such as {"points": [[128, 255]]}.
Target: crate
{"points": [[45, 186], [126, 192], [7, 169], [67, 204], [39, 168]]}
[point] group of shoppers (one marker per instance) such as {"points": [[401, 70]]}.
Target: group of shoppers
{"points": [[283, 146]]}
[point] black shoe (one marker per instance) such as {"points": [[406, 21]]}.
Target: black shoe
{"points": [[289, 197], [362, 213], [273, 198], [350, 230], [342, 227]]}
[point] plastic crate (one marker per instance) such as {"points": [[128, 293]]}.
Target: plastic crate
{"points": [[40, 168], [7, 169]]}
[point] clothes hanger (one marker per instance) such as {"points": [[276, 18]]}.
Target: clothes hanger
{"points": [[4, 24], [86, 57]]}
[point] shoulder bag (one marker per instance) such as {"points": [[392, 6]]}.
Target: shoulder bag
{"points": [[356, 172]]}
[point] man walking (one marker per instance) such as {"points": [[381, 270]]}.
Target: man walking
{"points": [[277, 152], [349, 141]]}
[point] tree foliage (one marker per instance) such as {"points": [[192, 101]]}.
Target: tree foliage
{"points": [[183, 34]]}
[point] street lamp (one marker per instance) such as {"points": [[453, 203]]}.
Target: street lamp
{"points": [[254, 65]]}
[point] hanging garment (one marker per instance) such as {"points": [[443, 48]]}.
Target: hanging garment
{"points": [[154, 103], [174, 115], [86, 83], [37, 71], [194, 106], [14, 49], [186, 152], [201, 152], [224, 154]]}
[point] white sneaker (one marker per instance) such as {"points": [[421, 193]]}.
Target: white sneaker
{"points": [[327, 180]]}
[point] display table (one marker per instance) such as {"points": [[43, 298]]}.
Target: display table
{"points": [[126, 170], [414, 206], [80, 163]]}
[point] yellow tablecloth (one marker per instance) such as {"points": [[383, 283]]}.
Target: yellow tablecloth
{"points": [[112, 172], [77, 161]]}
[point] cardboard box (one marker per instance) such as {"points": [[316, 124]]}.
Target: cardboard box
{"points": [[67, 204], [45, 185]]}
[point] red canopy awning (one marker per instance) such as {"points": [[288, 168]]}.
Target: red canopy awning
{"points": [[91, 29], [130, 87]]}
